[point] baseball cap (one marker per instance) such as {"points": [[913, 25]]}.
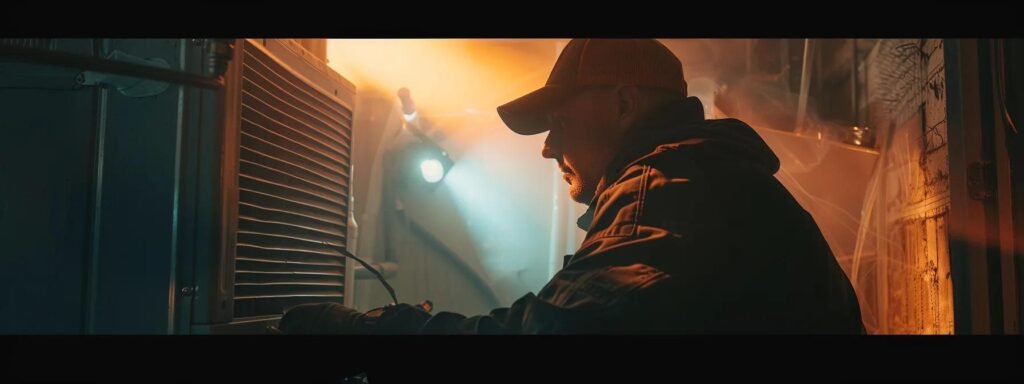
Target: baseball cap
{"points": [[594, 62]]}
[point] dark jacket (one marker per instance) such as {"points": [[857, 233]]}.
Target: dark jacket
{"points": [[689, 232]]}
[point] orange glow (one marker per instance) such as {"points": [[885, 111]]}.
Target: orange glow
{"points": [[447, 77]]}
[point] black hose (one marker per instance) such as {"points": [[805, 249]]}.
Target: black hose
{"points": [[346, 253]]}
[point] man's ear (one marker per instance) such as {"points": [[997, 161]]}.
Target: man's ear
{"points": [[628, 98]]}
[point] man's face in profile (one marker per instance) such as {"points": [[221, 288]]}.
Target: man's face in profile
{"points": [[584, 136]]}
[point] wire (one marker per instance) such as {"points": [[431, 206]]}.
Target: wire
{"points": [[346, 253]]}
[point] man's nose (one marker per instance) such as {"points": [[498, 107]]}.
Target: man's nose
{"points": [[550, 151]]}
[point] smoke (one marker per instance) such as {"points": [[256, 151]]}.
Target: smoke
{"points": [[830, 178], [457, 84]]}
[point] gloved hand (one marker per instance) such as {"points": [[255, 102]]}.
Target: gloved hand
{"points": [[401, 319], [337, 319], [322, 319]]}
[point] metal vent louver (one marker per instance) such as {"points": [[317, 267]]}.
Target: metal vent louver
{"points": [[293, 190]]}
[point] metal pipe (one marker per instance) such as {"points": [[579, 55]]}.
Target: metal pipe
{"points": [[854, 108], [805, 84], [387, 269], [86, 63]]}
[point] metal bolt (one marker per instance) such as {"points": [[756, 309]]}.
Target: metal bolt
{"points": [[188, 291]]}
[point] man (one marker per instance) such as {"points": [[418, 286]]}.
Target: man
{"points": [[688, 231]]}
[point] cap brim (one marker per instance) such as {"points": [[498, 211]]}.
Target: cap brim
{"points": [[527, 115]]}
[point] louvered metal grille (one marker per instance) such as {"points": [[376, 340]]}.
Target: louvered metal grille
{"points": [[293, 190]]}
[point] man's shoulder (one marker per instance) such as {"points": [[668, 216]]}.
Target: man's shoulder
{"points": [[669, 163]]}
